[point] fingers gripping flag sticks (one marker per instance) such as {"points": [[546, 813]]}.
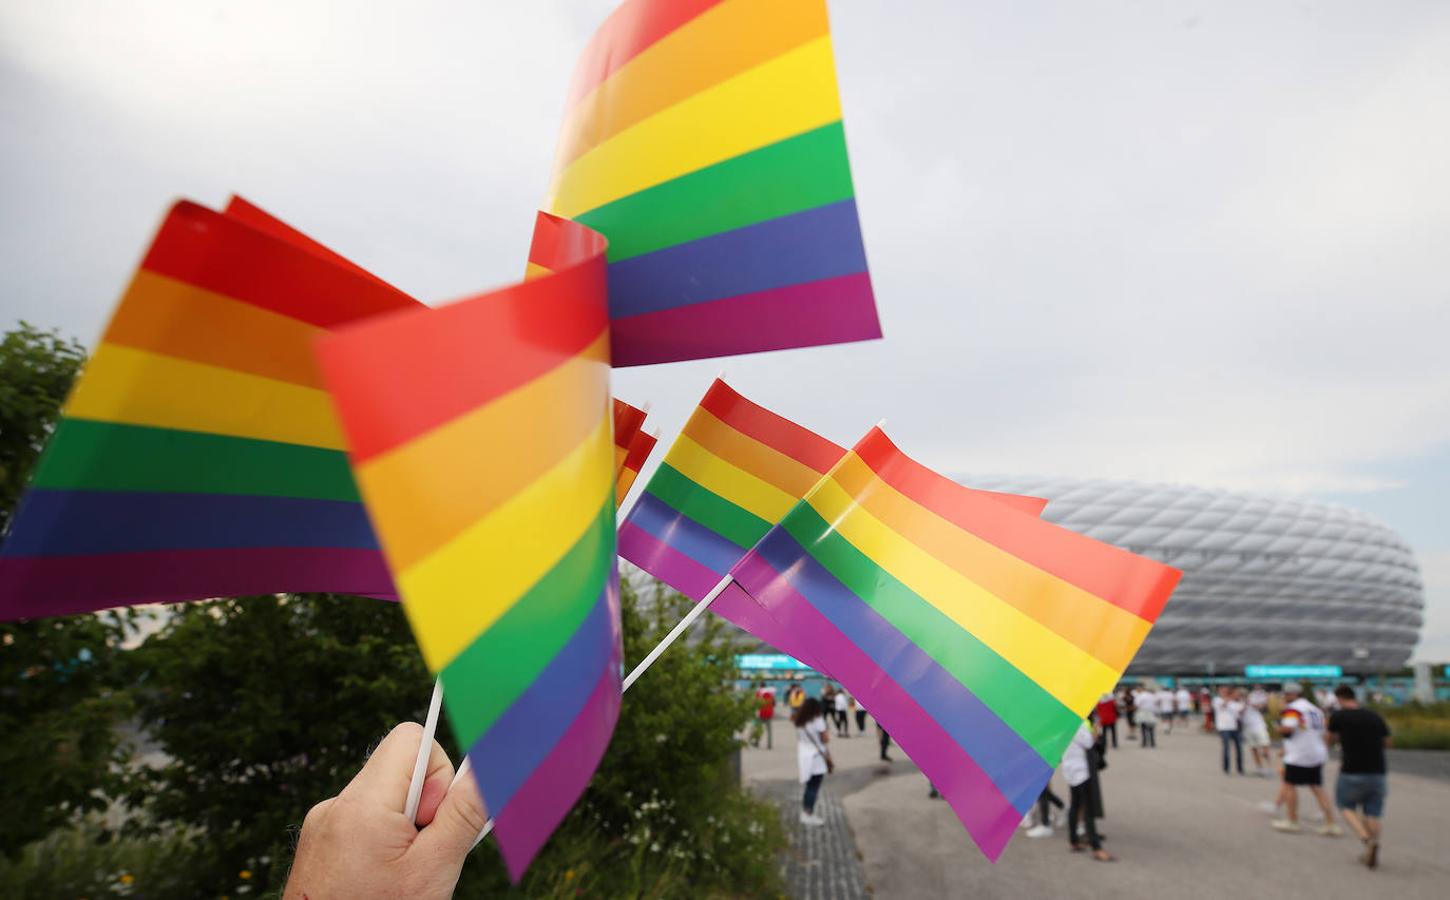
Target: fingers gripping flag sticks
{"points": [[198, 455], [977, 634], [703, 138], [503, 551]]}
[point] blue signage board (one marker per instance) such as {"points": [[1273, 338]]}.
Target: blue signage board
{"points": [[1272, 672], [772, 661]]}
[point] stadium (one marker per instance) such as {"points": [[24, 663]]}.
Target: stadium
{"points": [[1266, 580]]}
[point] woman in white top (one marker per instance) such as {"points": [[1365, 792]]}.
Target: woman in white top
{"points": [[811, 755], [1077, 771]]}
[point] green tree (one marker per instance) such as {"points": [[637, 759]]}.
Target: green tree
{"points": [[261, 707], [59, 708]]}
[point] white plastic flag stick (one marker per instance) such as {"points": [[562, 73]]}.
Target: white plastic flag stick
{"points": [[680, 628], [425, 750]]}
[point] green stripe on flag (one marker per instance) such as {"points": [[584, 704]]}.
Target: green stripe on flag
{"points": [[739, 526], [789, 176], [503, 661], [107, 456], [1037, 717]]}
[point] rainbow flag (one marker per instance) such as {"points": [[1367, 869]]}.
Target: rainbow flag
{"points": [[703, 138], [198, 455], [627, 422], [639, 450], [978, 635], [733, 472], [503, 551]]}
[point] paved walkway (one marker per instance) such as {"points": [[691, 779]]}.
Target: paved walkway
{"points": [[1180, 828]]}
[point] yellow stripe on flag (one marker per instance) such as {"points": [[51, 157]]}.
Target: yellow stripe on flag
{"points": [[1070, 674], [442, 471], [457, 592], [728, 480], [791, 94], [135, 387]]}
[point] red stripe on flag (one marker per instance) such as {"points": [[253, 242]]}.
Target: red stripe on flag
{"points": [[778, 432], [1135, 583]]}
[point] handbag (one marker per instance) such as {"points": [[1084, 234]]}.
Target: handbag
{"points": [[830, 763]]}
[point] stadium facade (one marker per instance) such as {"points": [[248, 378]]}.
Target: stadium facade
{"points": [[1266, 580]]}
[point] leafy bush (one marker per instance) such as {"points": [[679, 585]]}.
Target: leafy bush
{"points": [[1419, 726], [60, 706]]}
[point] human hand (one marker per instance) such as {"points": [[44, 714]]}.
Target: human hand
{"points": [[360, 845]]}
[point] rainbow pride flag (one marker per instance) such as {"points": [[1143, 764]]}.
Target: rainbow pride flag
{"points": [[198, 455], [733, 472], [627, 423], [977, 634], [640, 448], [503, 551], [703, 138]]}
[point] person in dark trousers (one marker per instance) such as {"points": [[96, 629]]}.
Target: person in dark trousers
{"points": [[860, 716], [1360, 792], [812, 758], [1079, 768], [885, 741]]}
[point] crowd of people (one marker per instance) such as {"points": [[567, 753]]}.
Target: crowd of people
{"points": [[1239, 715]]}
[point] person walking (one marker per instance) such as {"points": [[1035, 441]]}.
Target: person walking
{"points": [[860, 712], [1360, 791], [1228, 722], [795, 697], [1256, 736], [1305, 753], [1164, 703], [1108, 719], [812, 758], [1130, 709], [765, 699], [843, 703], [884, 740], [1078, 769], [1146, 702], [1185, 704]]}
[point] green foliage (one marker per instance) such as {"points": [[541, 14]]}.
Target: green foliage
{"points": [[83, 861], [36, 371], [1419, 726], [664, 816], [59, 706], [264, 706]]}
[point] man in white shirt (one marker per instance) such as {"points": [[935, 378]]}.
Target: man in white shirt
{"points": [[1305, 753], [1256, 734], [843, 703], [1163, 702], [1228, 722], [1185, 703], [1145, 701]]}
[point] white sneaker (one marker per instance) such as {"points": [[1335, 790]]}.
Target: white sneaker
{"points": [[1329, 829], [1286, 826], [813, 821], [1039, 831]]}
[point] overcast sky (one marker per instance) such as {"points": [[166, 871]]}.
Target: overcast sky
{"points": [[1201, 243]]}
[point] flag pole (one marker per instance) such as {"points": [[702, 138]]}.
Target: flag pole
{"points": [[425, 750]]}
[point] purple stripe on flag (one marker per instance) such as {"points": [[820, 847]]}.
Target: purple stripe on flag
{"points": [[830, 311], [988, 816], [1011, 763], [665, 562], [709, 548], [695, 581], [543, 801], [824, 242], [62, 585]]}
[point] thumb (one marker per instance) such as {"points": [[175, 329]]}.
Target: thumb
{"points": [[456, 825]]}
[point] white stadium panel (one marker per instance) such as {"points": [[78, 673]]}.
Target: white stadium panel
{"points": [[1265, 580]]}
